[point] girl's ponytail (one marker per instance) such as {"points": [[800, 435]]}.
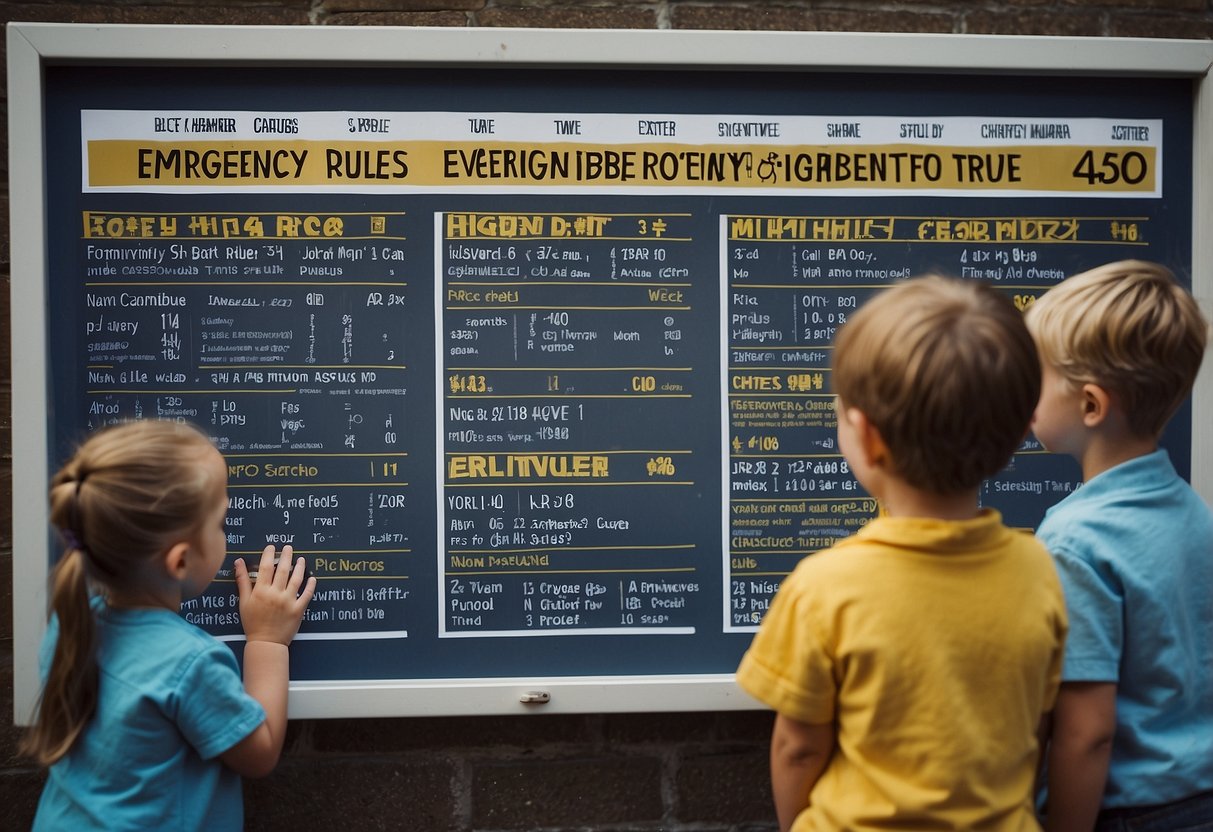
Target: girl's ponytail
{"points": [[128, 493], [70, 694]]}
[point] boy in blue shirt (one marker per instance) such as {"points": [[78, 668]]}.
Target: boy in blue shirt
{"points": [[1132, 733]]}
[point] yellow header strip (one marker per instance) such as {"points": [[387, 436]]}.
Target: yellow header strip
{"points": [[896, 167]]}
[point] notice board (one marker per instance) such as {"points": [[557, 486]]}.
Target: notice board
{"points": [[523, 338]]}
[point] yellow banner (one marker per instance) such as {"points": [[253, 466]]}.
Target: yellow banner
{"points": [[432, 164]]}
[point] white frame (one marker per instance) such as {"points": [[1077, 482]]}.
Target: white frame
{"points": [[32, 46]]}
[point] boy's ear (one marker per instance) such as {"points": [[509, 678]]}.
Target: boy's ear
{"points": [[1096, 405], [871, 443], [175, 560]]}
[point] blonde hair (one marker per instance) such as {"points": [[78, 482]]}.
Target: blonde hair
{"points": [[127, 495], [947, 373], [1130, 328]]}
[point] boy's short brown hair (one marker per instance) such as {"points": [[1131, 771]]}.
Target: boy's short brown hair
{"points": [[947, 372], [1129, 327]]}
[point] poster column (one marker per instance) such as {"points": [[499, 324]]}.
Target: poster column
{"points": [[791, 490], [564, 389], [280, 334]]}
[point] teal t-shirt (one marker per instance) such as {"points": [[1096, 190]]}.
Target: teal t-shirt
{"points": [[171, 700], [1134, 550]]}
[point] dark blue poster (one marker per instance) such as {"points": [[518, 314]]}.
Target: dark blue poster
{"points": [[533, 367]]}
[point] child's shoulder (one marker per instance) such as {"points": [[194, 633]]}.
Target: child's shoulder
{"points": [[160, 649], [1146, 485], [856, 555], [1136, 511], [156, 632]]}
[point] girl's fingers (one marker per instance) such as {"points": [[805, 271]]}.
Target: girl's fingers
{"points": [[266, 567], [243, 584], [297, 573], [306, 596], [281, 575]]}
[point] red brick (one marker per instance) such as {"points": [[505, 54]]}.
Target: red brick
{"points": [[746, 726], [9, 733], [164, 12], [1033, 23], [741, 18], [1169, 5], [725, 787], [839, 21], [4, 146], [19, 793], [570, 17], [306, 793], [565, 793], [397, 19], [333, 6], [1160, 26], [5, 461], [6, 259], [624, 729], [6, 453]]}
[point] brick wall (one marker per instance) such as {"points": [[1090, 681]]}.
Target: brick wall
{"points": [[702, 772]]}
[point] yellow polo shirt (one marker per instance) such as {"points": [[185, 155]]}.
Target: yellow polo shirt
{"points": [[935, 647]]}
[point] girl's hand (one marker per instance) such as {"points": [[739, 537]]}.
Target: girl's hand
{"points": [[272, 608]]}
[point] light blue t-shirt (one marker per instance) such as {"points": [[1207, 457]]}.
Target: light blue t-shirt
{"points": [[171, 700], [1134, 549]]}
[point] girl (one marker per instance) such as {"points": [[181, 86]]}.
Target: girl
{"points": [[143, 719]]}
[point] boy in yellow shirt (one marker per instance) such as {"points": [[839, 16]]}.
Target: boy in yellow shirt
{"points": [[910, 664]]}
